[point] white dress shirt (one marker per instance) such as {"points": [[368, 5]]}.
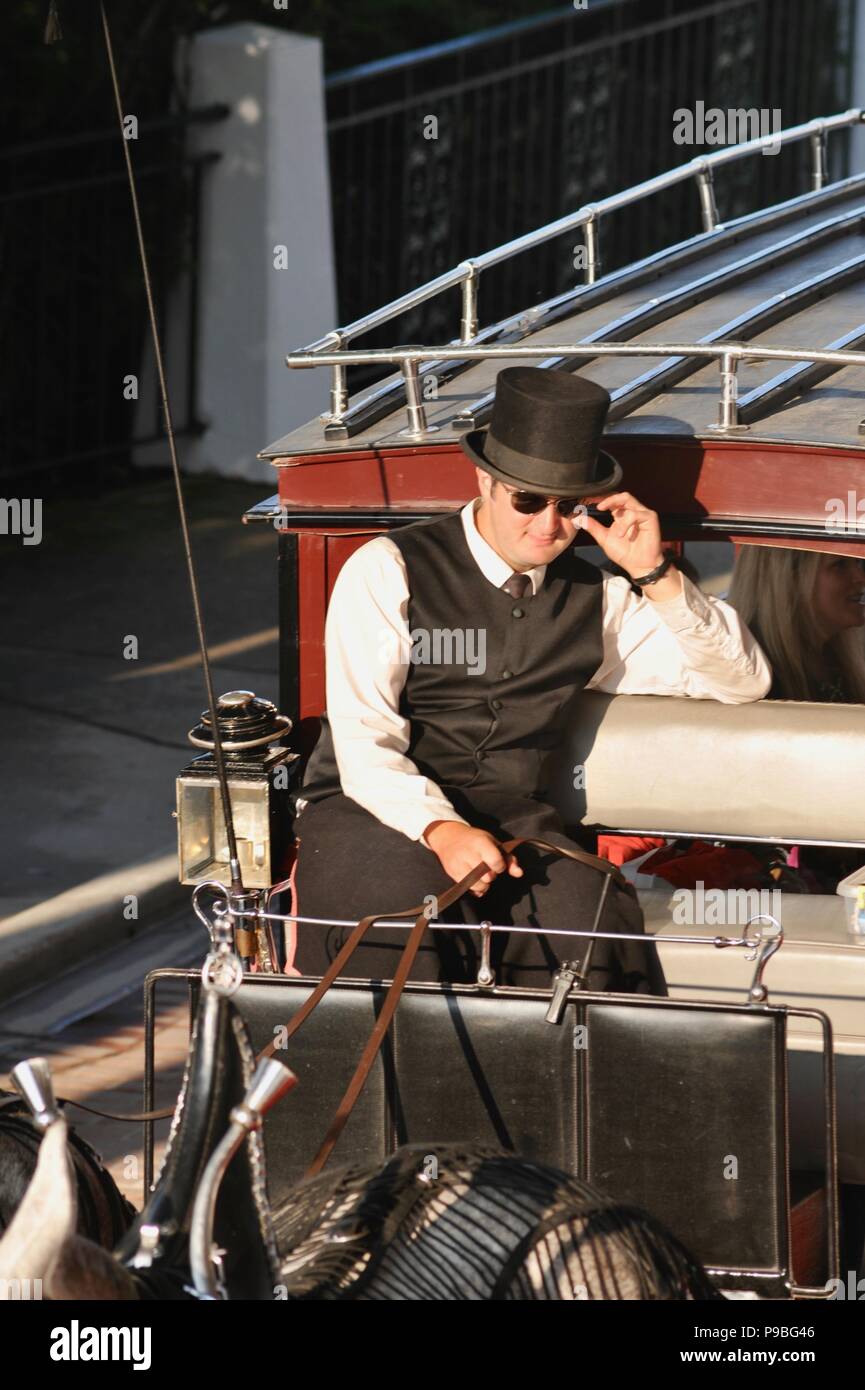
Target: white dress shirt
{"points": [[688, 645]]}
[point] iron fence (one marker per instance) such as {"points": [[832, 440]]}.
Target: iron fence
{"points": [[536, 119], [435, 156], [72, 311]]}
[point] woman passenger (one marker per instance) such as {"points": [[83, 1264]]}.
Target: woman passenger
{"points": [[805, 609]]}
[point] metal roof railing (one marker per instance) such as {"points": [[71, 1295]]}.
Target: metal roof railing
{"points": [[330, 350], [728, 355]]}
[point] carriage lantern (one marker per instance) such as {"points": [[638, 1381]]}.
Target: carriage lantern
{"points": [[259, 771]]}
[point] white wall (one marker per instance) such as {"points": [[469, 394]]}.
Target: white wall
{"points": [[270, 188]]}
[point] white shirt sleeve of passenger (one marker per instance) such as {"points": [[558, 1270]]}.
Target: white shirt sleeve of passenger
{"points": [[367, 646], [689, 645]]}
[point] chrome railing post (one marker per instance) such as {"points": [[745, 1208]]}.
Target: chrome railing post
{"points": [[338, 394], [593, 252], [818, 158], [728, 405], [706, 189], [417, 425], [469, 320], [338, 383]]}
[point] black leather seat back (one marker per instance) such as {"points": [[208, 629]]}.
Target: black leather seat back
{"points": [[489, 1070], [684, 1113], [677, 1108], [458, 1066], [323, 1057]]}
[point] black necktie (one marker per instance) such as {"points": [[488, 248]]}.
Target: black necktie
{"points": [[517, 586]]}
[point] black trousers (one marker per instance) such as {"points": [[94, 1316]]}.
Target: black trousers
{"points": [[350, 864]]}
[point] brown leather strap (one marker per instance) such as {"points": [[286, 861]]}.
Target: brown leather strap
{"points": [[306, 1009], [582, 855], [421, 915], [370, 1052], [407, 959]]}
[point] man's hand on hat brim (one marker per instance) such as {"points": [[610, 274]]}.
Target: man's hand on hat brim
{"points": [[633, 540]]}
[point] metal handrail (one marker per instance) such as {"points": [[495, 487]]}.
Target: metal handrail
{"points": [[792, 381], [729, 356], [467, 273], [663, 306], [748, 943], [384, 398]]}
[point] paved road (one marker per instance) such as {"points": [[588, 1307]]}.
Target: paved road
{"points": [[92, 741]]}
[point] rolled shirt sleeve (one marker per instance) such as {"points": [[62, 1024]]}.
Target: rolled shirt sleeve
{"points": [[691, 645]]}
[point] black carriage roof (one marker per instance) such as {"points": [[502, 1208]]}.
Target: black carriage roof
{"points": [[788, 277]]}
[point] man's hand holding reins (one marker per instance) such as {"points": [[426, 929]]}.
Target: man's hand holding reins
{"points": [[460, 847]]}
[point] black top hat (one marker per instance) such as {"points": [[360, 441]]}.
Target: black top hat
{"points": [[544, 433]]}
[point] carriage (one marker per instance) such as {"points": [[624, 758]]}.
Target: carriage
{"points": [[732, 1110]]}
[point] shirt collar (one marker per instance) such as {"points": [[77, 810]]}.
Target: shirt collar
{"points": [[488, 561]]}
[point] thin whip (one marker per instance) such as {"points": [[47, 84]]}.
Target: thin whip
{"points": [[236, 880]]}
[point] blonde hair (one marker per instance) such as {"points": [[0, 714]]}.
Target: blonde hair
{"points": [[773, 592]]}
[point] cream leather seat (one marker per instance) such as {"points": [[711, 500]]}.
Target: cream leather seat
{"points": [[779, 771]]}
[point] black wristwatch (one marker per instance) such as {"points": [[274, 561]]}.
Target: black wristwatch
{"points": [[657, 573]]}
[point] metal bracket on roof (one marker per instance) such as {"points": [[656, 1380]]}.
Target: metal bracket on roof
{"points": [[593, 250], [469, 319], [417, 427], [728, 405], [818, 156], [706, 189]]}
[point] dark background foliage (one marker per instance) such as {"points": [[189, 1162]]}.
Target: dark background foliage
{"points": [[534, 125], [71, 302], [48, 90]]}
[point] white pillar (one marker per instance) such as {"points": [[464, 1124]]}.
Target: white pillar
{"points": [[857, 138], [269, 190]]}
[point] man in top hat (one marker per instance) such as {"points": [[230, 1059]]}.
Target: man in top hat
{"points": [[454, 650]]}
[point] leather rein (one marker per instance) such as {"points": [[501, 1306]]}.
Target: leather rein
{"points": [[421, 915]]}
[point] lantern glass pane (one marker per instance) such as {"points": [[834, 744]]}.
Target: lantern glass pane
{"points": [[202, 844]]}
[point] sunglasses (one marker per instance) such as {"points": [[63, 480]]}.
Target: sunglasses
{"points": [[530, 503]]}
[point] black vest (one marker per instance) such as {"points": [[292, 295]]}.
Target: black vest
{"points": [[490, 679]]}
